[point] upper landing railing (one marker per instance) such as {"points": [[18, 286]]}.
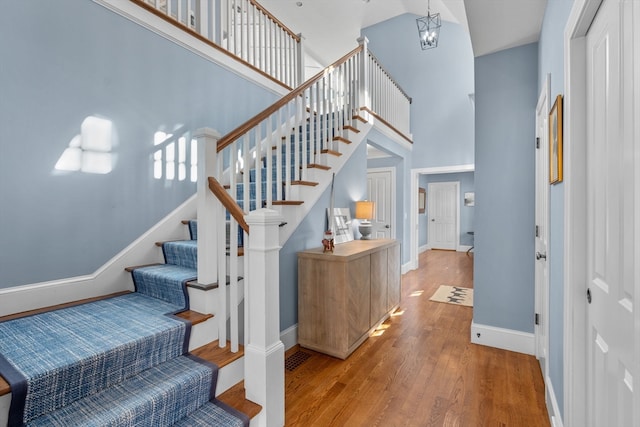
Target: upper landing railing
{"points": [[247, 31], [242, 28]]}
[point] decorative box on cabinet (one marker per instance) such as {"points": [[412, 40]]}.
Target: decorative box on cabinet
{"points": [[343, 296]]}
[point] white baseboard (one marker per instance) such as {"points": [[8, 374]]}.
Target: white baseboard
{"points": [[423, 248], [464, 248], [506, 339], [289, 337], [405, 268], [554, 412]]}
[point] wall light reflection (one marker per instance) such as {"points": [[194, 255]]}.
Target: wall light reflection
{"points": [[91, 150]]}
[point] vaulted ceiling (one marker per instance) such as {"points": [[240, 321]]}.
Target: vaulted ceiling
{"points": [[330, 27]]}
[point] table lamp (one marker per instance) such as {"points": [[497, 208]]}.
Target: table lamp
{"points": [[364, 212]]}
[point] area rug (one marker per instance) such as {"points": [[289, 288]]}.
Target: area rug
{"points": [[454, 295]]}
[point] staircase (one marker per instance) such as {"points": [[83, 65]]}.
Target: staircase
{"points": [[255, 185], [124, 360]]}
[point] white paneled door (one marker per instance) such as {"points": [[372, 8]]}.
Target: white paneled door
{"points": [[613, 323], [542, 230], [442, 206], [379, 185]]}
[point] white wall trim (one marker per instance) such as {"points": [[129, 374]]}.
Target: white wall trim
{"points": [[424, 248], [554, 413], [413, 217], [172, 33], [506, 339], [575, 231], [405, 268], [289, 337], [109, 278], [464, 248], [391, 133]]}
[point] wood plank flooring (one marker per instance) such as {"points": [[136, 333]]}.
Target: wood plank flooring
{"points": [[419, 368]]}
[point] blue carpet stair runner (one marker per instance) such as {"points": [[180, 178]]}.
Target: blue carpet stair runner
{"points": [[121, 361]]}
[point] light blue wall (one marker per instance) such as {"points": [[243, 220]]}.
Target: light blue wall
{"points": [[466, 212], [350, 185], [438, 80], [506, 96], [75, 59], [551, 61]]}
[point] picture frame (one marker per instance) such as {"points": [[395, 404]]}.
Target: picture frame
{"points": [[470, 198], [555, 142], [342, 229], [422, 200]]}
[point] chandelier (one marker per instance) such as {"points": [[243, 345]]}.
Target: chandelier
{"points": [[429, 29]]}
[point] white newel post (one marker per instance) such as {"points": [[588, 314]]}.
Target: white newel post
{"points": [[207, 248], [364, 95], [300, 65], [264, 352]]}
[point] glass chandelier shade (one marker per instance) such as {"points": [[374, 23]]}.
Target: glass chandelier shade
{"points": [[429, 30]]}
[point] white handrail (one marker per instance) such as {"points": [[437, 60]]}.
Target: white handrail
{"points": [[260, 162]]}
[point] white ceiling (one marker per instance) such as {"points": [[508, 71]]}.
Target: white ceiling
{"points": [[330, 27]]}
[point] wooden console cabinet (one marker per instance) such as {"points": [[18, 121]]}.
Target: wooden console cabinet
{"points": [[343, 296]]}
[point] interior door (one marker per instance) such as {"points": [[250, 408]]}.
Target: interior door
{"points": [[542, 229], [442, 206], [613, 325], [379, 184]]}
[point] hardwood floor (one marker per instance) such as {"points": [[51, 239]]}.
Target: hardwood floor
{"points": [[419, 368]]}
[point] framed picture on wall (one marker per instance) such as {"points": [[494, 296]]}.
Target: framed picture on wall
{"points": [[470, 198], [422, 200], [555, 142]]}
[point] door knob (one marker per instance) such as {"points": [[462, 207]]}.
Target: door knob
{"points": [[387, 226], [433, 219], [541, 256]]}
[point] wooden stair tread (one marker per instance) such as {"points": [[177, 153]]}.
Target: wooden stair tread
{"points": [[240, 251], [221, 356], [194, 317], [318, 166], [332, 152], [351, 128], [169, 241], [307, 183], [133, 267], [235, 397], [360, 118], [287, 202], [341, 139], [5, 388], [59, 306], [210, 286]]}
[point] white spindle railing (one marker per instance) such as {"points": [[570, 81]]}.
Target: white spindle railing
{"points": [[253, 34], [387, 99], [260, 162], [243, 28]]}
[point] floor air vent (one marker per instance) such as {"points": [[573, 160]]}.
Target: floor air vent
{"points": [[295, 360]]}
